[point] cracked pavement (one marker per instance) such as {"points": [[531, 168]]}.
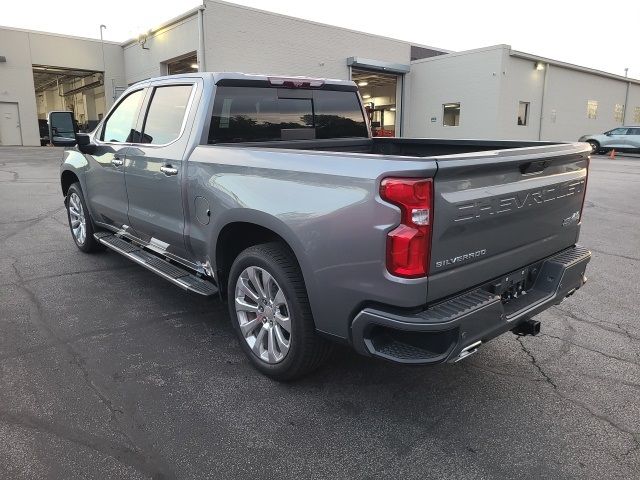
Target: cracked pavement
{"points": [[107, 371]]}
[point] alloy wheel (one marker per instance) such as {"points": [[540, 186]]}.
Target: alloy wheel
{"points": [[263, 314], [77, 219]]}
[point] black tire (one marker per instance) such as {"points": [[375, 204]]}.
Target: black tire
{"points": [[595, 146], [90, 244], [307, 349]]}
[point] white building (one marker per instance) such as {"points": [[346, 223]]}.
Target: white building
{"points": [[409, 89], [497, 92]]}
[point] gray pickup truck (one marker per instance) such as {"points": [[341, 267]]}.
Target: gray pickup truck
{"points": [[270, 192]]}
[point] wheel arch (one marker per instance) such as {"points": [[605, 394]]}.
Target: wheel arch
{"points": [[68, 178], [252, 228]]}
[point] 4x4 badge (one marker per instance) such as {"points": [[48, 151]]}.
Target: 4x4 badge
{"points": [[573, 219]]}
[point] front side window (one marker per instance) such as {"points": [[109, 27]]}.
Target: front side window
{"points": [[119, 127], [592, 109], [618, 131], [451, 114], [165, 116], [523, 113], [248, 114]]}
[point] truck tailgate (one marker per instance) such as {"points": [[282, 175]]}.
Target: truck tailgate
{"points": [[497, 211]]}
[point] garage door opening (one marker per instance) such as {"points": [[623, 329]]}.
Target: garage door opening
{"points": [[379, 91], [184, 64], [74, 90]]}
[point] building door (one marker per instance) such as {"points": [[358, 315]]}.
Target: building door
{"points": [[10, 133], [380, 96]]}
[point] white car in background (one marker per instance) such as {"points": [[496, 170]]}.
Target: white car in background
{"points": [[621, 138]]}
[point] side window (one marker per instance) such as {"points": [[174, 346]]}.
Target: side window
{"points": [[592, 109], [451, 114], [119, 125], [166, 114], [618, 131], [523, 113], [634, 131]]}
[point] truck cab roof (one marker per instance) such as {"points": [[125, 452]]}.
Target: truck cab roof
{"points": [[240, 79]]}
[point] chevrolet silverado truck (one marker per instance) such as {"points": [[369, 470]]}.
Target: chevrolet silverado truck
{"points": [[271, 193]]}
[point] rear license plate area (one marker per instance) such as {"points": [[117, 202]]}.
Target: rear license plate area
{"points": [[513, 285]]}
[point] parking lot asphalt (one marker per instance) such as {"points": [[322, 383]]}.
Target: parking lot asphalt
{"points": [[107, 371]]}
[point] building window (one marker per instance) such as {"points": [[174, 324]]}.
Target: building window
{"points": [[451, 114], [523, 113], [618, 113], [186, 64], [636, 115], [592, 109]]}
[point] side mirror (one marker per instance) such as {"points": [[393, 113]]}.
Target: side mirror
{"points": [[84, 143], [62, 131]]}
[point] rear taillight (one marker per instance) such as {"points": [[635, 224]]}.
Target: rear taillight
{"points": [[586, 181], [409, 244]]}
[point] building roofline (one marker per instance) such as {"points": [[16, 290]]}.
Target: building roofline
{"points": [[172, 21], [533, 58], [313, 22], [194, 11], [571, 66], [459, 54], [62, 35]]}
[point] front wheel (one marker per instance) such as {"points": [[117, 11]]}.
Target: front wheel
{"points": [[271, 315], [80, 221], [595, 146]]}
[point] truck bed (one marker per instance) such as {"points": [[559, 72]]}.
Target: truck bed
{"points": [[403, 147]]}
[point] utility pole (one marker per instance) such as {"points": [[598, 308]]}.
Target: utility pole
{"points": [[626, 98], [104, 66]]}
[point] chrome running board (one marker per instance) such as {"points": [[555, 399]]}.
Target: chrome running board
{"points": [[176, 274]]}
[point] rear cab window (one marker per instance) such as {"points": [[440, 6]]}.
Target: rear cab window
{"points": [[254, 114]]}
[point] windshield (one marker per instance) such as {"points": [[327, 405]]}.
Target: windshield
{"points": [[253, 114]]}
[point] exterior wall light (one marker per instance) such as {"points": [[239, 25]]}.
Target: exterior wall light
{"points": [[539, 66], [142, 40]]}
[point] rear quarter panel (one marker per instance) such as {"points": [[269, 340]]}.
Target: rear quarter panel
{"points": [[325, 205]]}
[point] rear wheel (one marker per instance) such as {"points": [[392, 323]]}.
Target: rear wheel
{"points": [[80, 221], [270, 313]]}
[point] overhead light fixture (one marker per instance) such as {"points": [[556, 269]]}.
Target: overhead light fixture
{"points": [[366, 95], [363, 84], [142, 40], [194, 65], [393, 109], [539, 65]]}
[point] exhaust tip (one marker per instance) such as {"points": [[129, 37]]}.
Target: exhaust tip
{"points": [[527, 327], [467, 351]]}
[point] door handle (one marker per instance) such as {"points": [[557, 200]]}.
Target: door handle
{"points": [[168, 170], [116, 161]]}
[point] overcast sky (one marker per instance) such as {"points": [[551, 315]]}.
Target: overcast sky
{"points": [[596, 34]]}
